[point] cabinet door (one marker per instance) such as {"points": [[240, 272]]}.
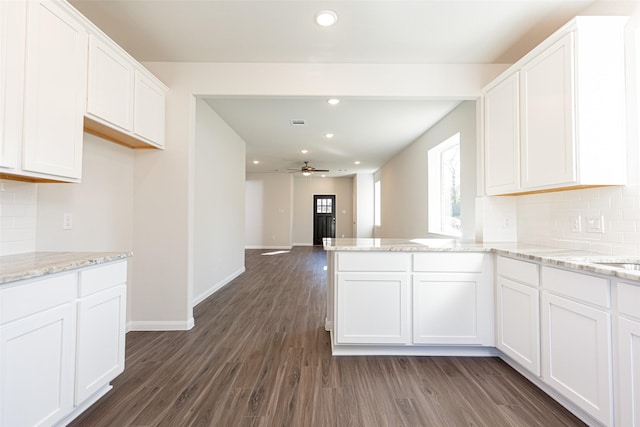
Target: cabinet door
{"points": [[518, 323], [13, 27], [55, 90], [628, 373], [372, 308], [502, 137], [110, 85], [576, 357], [452, 308], [36, 372], [101, 340], [148, 118], [548, 116]]}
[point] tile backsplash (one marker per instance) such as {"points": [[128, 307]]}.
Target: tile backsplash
{"points": [[18, 216], [550, 219]]}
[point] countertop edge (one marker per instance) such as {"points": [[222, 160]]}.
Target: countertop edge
{"points": [[40, 264]]}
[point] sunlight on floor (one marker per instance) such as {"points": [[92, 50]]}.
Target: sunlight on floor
{"points": [[276, 253]]}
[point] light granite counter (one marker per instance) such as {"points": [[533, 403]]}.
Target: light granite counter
{"points": [[37, 264], [567, 258]]}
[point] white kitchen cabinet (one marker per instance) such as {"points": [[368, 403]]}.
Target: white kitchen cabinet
{"points": [[149, 110], [62, 341], [372, 308], [502, 136], [571, 112], [37, 337], [628, 355], [517, 312], [101, 328], [13, 28], [125, 103], [452, 296], [110, 85], [55, 88], [576, 340]]}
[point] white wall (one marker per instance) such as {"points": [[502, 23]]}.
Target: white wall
{"points": [[363, 204], [269, 210], [101, 205], [404, 179], [218, 229], [304, 188]]}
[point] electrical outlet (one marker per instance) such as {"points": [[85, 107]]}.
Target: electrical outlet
{"points": [[506, 222], [595, 224], [67, 221], [576, 223]]}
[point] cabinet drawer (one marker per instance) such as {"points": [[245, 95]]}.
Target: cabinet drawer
{"points": [[103, 277], [520, 271], [590, 289], [373, 261], [629, 299], [31, 297], [459, 262]]}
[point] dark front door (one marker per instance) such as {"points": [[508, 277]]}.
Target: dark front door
{"points": [[324, 218]]}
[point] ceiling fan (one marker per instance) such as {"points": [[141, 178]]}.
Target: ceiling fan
{"points": [[307, 170]]}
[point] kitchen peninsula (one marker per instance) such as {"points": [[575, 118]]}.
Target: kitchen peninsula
{"points": [[540, 309]]}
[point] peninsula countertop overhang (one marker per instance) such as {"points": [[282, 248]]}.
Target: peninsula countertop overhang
{"points": [[561, 257]]}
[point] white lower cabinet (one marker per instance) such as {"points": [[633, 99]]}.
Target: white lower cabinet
{"points": [[576, 341], [62, 342], [37, 368], [518, 323], [101, 326], [373, 308], [448, 308], [628, 355]]}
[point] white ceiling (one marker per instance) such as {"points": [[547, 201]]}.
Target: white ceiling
{"points": [[368, 31]]}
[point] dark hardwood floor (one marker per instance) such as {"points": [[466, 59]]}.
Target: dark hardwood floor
{"points": [[259, 356]]}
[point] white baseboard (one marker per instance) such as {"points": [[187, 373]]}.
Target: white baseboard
{"points": [[197, 300], [160, 325], [269, 247], [302, 244]]}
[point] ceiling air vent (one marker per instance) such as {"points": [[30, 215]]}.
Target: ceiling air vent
{"points": [[297, 122]]}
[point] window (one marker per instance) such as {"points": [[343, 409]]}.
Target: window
{"points": [[377, 204], [444, 187]]}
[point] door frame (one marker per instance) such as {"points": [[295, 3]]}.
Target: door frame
{"points": [[333, 216]]}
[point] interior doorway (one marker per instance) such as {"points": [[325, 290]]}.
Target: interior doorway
{"points": [[324, 217]]}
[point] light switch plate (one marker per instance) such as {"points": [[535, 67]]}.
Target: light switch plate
{"points": [[595, 224]]}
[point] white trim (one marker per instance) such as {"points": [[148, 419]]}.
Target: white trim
{"points": [[85, 405], [267, 247], [160, 325], [428, 350], [303, 244], [197, 300]]}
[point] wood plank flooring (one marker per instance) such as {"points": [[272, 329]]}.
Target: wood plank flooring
{"points": [[259, 356]]}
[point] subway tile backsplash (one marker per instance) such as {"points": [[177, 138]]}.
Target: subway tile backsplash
{"points": [[18, 214], [548, 219]]}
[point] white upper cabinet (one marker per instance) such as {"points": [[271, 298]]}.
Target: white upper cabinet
{"points": [[43, 54], [148, 119], [13, 28], [502, 151], [110, 85], [567, 113], [54, 91], [125, 103]]}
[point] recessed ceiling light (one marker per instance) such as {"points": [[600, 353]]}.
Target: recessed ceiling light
{"points": [[333, 101], [255, 162], [326, 18], [357, 162], [328, 135], [304, 151], [323, 176]]}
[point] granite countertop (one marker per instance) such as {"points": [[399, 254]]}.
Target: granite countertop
{"points": [[567, 258], [35, 264]]}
